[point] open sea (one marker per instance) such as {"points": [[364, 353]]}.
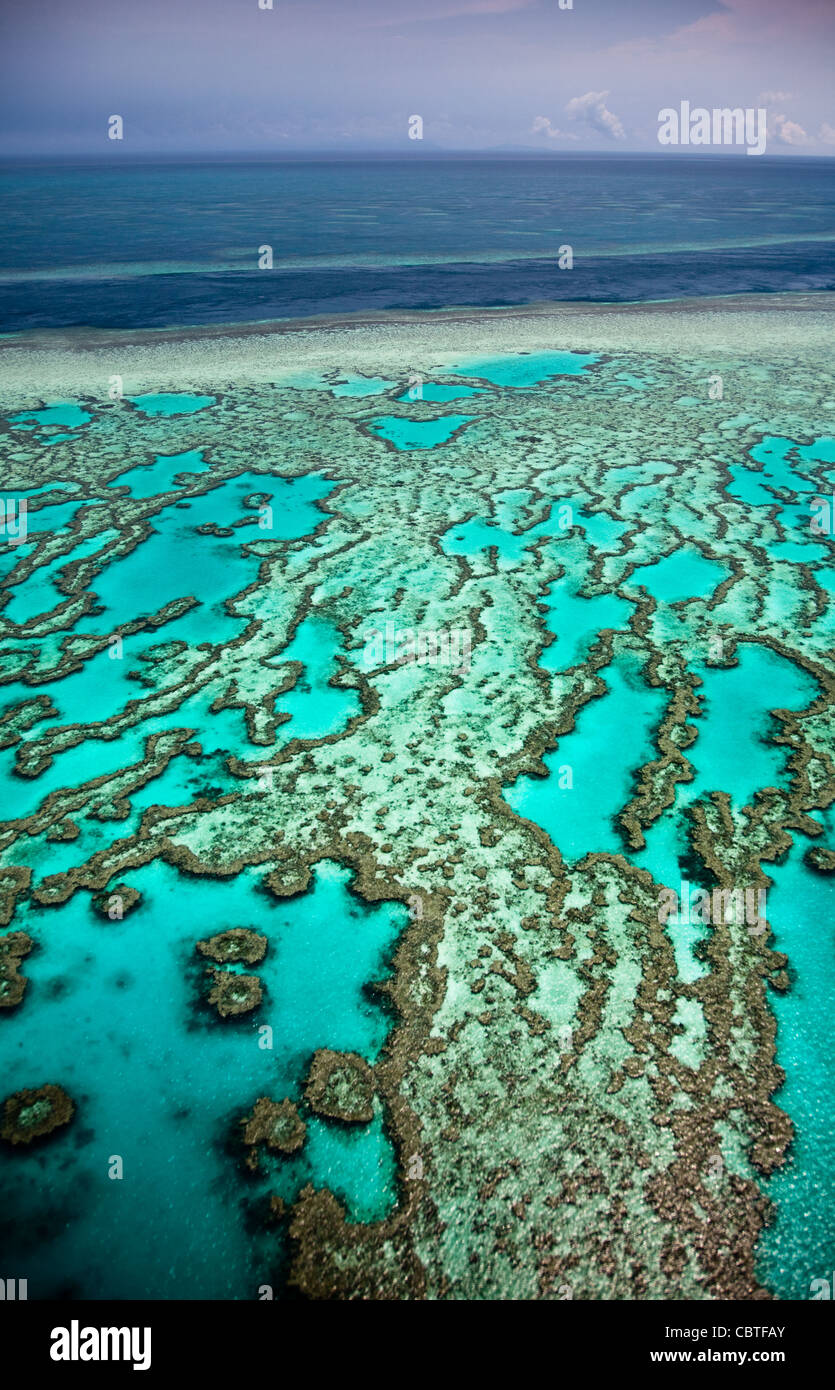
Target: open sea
{"points": [[140, 245]]}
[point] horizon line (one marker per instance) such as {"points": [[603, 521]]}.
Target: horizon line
{"points": [[111, 155]]}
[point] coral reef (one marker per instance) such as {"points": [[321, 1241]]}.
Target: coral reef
{"points": [[14, 947], [569, 1106], [33, 1114], [232, 994], [340, 1086], [277, 1124], [237, 945]]}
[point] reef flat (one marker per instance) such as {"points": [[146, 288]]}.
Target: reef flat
{"points": [[77, 360], [479, 664]]}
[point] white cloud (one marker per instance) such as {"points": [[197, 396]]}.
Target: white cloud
{"points": [[789, 132], [827, 133], [592, 108], [542, 123]]}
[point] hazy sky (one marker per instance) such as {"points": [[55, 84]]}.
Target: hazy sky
{"points": [[226, 75]]}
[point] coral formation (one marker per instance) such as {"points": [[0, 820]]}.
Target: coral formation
{"points": [[14, 947], [586, 1095], [340, 1086], [277, 1124], [237, 945], [232, 994], [33, 1114]]}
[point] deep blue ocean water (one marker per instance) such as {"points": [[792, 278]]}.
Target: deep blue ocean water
{"points": [[125, 244]]}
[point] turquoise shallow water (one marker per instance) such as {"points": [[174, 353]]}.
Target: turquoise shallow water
{"points": [[798, 1246], [479, 534], [591, 770], [363, 386], [733, 753], [44, 422], [53, 515], [116, 1018], [525, 369], [577, 621], [685, 574], [589, 780], [166, 567], [149, 480], [521, 371], [418, 434], [439, 392], [316, 708], [115, 1010], [167, 403], [40, 593]]}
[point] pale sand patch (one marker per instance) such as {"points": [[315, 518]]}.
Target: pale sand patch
{"points": [[45, 366]]}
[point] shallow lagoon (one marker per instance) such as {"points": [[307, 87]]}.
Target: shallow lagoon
{"points": [[591, 769], [418, 434], [525, 370], [116, 1017]]}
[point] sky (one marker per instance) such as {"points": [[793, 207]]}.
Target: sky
{"points": [[220, 76]]}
